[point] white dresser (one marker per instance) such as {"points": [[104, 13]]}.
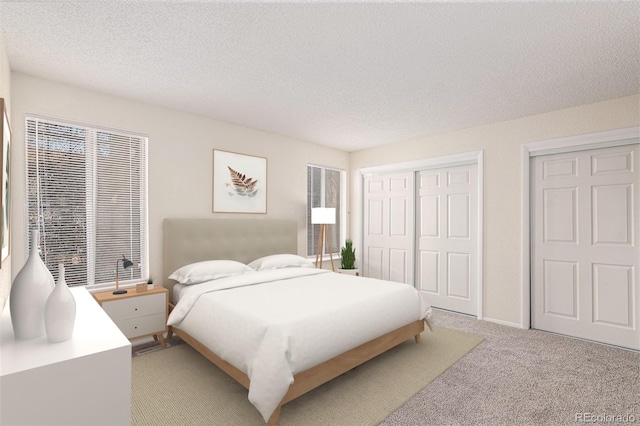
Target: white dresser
{"points": [[83, 381]]}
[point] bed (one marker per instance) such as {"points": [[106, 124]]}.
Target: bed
{"points": [[280, 328]]}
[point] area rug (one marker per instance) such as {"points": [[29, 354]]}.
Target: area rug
{"points": [[178, 386]]}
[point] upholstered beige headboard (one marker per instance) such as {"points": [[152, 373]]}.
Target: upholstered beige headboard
{"points": [[193, 240]]}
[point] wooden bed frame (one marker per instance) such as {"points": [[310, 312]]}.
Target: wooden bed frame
{"points": [[191, 240]]}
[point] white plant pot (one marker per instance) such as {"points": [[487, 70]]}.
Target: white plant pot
{"points": [[355, 272]]}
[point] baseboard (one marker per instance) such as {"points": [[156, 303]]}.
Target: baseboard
{"points": [[142, 341], [501, 322]]}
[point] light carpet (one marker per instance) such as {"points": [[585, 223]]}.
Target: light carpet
{"points": [[178, 386], [527, 377]]}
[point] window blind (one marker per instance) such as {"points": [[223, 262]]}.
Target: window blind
{"points": [[87, 194], [324, 188]]}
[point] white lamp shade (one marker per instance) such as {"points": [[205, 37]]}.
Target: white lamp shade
{"points": [[323, 215]]}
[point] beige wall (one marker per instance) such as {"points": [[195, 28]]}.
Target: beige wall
{"points": [[180, 151], [5, 92], [180, 157], [502, 145]]}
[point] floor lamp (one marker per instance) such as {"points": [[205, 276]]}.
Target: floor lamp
{"points": [[323, 216]]}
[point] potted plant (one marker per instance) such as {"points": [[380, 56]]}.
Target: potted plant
{"points": [[348, 259]]}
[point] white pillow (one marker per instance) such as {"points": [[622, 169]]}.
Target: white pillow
{"points": [[276, 261], [207, 270]]}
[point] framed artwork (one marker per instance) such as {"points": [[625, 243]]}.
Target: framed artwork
{"points": [[5, 195], [239, 183]]}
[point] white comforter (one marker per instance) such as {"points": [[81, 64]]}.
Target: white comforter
{"points": [[276, 323]]}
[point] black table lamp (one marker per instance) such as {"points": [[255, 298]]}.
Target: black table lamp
{"points": [[126, 263]]}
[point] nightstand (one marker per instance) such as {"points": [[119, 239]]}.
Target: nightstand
{"points": [[138, 314]]}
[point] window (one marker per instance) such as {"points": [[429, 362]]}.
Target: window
{"points": [[87, 194], [326, 188]]}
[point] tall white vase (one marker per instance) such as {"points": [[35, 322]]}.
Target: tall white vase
{"points": [[60, 311], [29, 293]]}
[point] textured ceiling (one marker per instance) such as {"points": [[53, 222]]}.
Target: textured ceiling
{"points": [[346, 75]]}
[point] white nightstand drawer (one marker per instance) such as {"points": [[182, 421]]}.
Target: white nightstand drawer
{"points": [[137, 314], [135, 307], [149, 324]]}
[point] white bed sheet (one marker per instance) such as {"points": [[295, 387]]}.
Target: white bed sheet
{"points": [[274, 324], [177, 292]]}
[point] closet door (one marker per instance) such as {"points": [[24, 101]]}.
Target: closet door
{"points": [[388, 227], [586, 245], [447, 232]]}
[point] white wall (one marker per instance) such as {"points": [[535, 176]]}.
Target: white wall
{"points": [[5, 92], [180, 157], [501, 143]]}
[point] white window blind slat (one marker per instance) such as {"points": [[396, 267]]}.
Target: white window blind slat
{"points": [[87, 194], [324, 190]]}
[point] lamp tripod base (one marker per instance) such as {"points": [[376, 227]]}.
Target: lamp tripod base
{"points": [[120, 292], [324, 237]]}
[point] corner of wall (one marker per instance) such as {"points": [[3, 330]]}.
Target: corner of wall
{"points": [[5, 92]]}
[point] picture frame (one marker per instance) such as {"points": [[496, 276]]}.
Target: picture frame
{"points": [[239, 183], [5, 184]]}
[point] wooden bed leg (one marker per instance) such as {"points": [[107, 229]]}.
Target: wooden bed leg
{"points": [[417, 337], [275, 417], [170, 333]]}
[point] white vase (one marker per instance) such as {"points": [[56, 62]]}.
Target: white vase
{"points": [[29, 293], [60, 311]]}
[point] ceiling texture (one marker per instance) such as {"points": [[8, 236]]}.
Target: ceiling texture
{"points": [[346, 75]]}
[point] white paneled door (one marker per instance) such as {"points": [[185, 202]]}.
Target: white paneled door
{"points": [[447, 232], [388, 227], [585, 244]]}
